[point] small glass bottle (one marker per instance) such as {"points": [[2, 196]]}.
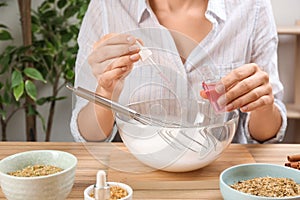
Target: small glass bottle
{"points": [[209, 84]]}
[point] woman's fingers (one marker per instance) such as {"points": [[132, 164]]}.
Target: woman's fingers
{"points": [[247, 88], [112, 59], [255, 98], [239, 74], [113, 45], [115, 63], [107, 79], [112, 39], [259, 103], [112, 51], [124, 60], [102, 39], [119, 68]]}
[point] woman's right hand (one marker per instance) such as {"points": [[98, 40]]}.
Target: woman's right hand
{"points": [[112, 60]]}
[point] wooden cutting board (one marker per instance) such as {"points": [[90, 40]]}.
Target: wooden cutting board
{"points": [[139, 176]]}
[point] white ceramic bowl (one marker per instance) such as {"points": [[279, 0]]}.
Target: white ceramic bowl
{"points": [[89, 190], [52, 187], [253, 170], [212, 133]]}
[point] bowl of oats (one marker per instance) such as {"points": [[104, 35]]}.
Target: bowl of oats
{"points": [[117, 190], [258, 181], [38, 174]]}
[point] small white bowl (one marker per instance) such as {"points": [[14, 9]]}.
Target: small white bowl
{"points": [[50, 187], [88, 191]]}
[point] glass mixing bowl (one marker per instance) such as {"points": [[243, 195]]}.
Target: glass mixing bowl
{"points": [[201, 139]]}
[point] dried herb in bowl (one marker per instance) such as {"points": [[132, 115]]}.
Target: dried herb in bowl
{"points": [[116, 192], [268, 187], [36, 170]]}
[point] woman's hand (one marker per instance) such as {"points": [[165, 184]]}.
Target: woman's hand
{"points": [[111, 61], [247, 88]]}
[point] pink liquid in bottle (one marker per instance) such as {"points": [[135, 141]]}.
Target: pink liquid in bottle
{"points": [[213, 96]]}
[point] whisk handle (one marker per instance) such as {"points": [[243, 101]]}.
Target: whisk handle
{"points": [[100, 100]]}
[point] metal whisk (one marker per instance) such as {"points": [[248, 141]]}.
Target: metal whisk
{"points": [[143, 119], [176, 141]]}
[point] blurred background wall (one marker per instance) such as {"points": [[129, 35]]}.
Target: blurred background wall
{"points": [[285, 13]]}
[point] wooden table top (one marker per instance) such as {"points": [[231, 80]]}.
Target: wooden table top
{"points": [[88, 165]]}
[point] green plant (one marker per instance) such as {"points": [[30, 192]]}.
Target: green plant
{"points": [[4, 33], [8, 105], [50, 58], [55, 27]]}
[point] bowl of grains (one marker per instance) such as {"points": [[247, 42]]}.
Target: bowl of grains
{"points": [[38, 174], [256, 181], [117, 190]]}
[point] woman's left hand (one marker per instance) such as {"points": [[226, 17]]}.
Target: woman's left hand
{"points": [[247, 88]]}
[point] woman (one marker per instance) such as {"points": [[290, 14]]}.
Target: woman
{"points": [[239, 36]]}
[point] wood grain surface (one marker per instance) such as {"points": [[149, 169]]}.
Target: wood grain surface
{"points": [[94, 156], [143, 177]]}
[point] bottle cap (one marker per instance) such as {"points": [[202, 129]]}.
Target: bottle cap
{"points": [[145, 53]]}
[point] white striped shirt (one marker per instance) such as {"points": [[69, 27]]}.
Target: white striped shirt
{"points": [[243, 32]]}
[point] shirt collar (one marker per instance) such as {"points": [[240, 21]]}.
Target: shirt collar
{"points": [[217, 7], [142, 7]]}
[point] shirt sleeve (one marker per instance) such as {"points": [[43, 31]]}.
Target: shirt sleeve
{"points": [[91, 31], [265, 42]]}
